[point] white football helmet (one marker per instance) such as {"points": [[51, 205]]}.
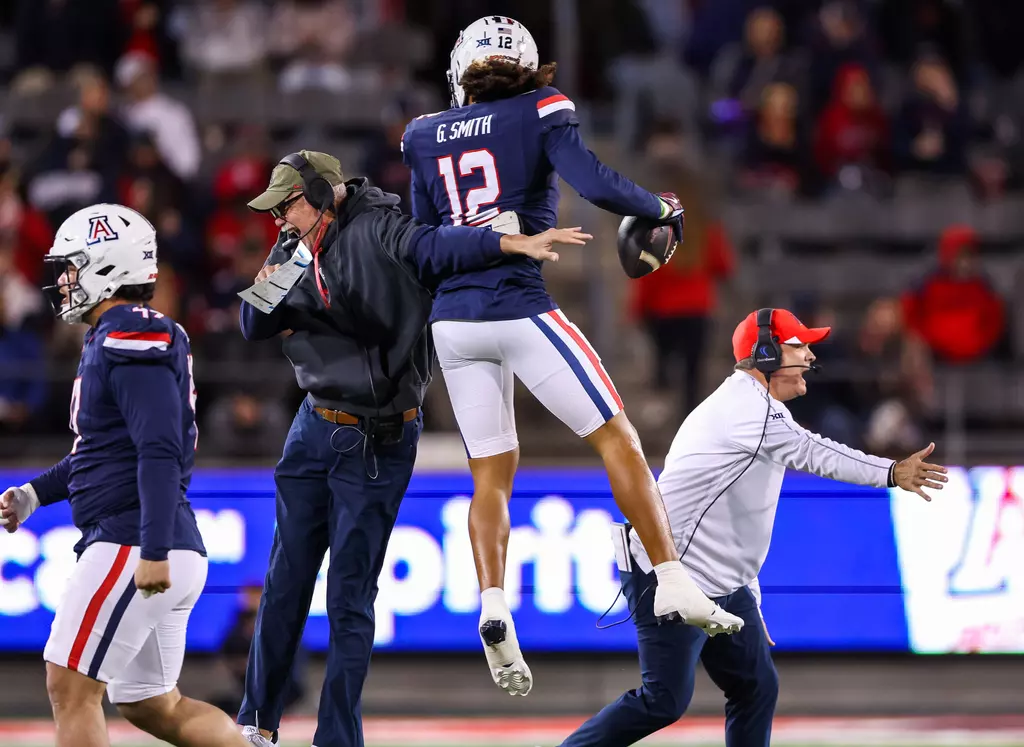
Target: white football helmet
{"points": [[109, 246], [490, 38]]}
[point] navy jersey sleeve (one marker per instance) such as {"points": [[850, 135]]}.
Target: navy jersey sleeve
{"points": [[52, 485], [575, 163], [553, 109], [147, 390], [594, 181]]}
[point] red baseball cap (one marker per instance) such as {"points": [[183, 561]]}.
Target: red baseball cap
{"points": [[785, 326]]}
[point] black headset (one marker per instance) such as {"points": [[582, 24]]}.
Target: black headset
{"points": [[767, 352], [318, 191]]}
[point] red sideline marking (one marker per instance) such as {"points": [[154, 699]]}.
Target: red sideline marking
{"points": [[95, 604], [551, 100], [990, 730], [145, 336], [591, 355]]}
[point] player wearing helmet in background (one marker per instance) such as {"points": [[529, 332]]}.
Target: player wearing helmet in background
{"points": [[494, 159], [120, 625]]}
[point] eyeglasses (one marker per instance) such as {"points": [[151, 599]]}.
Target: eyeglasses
{"points": [[281, 208]]}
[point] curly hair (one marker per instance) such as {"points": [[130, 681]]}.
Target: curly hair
{"points": [[135, 293], [491, 80]]}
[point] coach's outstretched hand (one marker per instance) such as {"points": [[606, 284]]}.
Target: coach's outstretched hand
{"points": [[153, 577], [913, 473], [16, 505], [539, 246]]}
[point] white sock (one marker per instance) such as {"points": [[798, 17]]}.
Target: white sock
{"points": [[493, 605], [674, 572]]}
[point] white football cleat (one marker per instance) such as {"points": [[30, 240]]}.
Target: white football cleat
{"points": [[508, 668], [718, 622], [253, 736], [501, 647], [677, 598]]}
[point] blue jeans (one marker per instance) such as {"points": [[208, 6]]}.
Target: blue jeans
{"points": [[740, 664], [333, 492]]}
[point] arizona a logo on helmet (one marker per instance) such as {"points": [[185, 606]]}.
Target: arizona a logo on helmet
{"points": [[100, 230]]}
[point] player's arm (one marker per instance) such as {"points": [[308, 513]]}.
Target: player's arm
{"points": [[52, 486], [17, 504], [596, 183], [147, 394]]}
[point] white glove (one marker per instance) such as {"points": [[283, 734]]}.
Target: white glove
{"points": [[677, 597], [16, 505]]}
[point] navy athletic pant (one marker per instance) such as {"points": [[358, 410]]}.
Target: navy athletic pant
{"points": [[332, 493], [741, 665]]}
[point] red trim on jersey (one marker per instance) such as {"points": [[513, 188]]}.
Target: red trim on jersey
{"points": [[95, 605], [589, 351], [552, 100], [144, 336]]}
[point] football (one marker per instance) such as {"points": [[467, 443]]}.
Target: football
{"points": [[644, 245]]}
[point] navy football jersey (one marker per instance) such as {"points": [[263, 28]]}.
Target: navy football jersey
{"points": [[472, 163], [133, 416]]}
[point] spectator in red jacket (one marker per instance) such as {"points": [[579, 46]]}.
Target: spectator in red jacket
{"points": [[852, 131], [955, 310], [21, 224], [676, 303]]}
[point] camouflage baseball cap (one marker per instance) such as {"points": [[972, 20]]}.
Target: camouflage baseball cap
{"points": [[285, 180]]}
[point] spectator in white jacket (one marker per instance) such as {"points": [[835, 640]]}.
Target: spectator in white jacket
{"points": [[168, 121], [224, 36]]}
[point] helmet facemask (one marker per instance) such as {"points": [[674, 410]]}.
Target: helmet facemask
{"points": [[96, 251], [68, 299]]}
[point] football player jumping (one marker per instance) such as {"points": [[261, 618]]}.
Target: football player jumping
{"points": [[494, 159]]}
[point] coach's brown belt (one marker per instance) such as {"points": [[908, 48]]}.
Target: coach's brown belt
{"points": [[343, 418]]}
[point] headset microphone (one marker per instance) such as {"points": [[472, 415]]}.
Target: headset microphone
{"points": [[813, 368]]}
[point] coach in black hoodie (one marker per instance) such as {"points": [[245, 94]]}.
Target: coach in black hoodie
{"points": [[355, 327]]}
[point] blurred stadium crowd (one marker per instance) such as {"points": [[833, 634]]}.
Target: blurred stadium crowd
{"points": [[859, 160]]}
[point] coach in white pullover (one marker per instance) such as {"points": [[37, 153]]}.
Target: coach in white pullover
{"points": [[721, 485]]}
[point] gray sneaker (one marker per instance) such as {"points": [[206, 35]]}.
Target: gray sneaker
{"points": [[253, 736]]}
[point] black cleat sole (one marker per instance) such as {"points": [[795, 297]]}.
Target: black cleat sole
{"points": [[493, 632]]}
